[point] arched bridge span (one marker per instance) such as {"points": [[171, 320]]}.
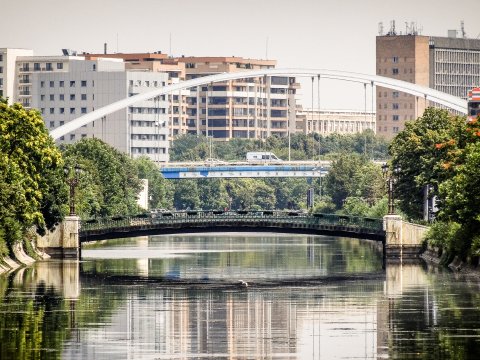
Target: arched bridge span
{"points": [[447, 100], [238, 221]]}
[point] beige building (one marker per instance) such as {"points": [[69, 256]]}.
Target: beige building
{"points": [[448, 64], [244, 108], [327, 122]]}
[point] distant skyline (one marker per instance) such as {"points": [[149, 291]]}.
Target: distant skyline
{"points": [[336, 35]]}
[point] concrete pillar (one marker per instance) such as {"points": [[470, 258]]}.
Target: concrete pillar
{"points": [[403, 239], [64, 241], [392, 224]]}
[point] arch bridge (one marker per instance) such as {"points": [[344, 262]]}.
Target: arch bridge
{"points": [[227, 221], [426, 93]]}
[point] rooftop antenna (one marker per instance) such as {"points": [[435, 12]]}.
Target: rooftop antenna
{"points": [[380, 28], [462, 27], [392, 31]]}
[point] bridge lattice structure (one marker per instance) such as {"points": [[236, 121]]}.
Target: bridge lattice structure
{"points": [[226, 221]]}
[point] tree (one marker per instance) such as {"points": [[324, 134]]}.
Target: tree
{"points": [[160, 191], [186, 195], [32, 190], [419, 153], [341, 181], [109, 174]]}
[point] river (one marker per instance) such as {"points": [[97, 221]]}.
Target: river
{"points": [[237, 296]]}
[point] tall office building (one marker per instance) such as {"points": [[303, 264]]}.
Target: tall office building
{"points": [[66, 87], [448, 64]]}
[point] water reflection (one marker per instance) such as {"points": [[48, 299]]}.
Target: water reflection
{"points": [[234, 256], [87, 310]]}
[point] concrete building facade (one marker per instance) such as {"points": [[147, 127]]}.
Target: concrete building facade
{"points": [[11, 86], [327, 122], [447, 64], [244, 108], [66, 87]]}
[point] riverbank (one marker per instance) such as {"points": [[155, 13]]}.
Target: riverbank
{"points": [[24, 254], [431, 256]]}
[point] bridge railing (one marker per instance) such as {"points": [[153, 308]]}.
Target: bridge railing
{"points": [[218, 217]]}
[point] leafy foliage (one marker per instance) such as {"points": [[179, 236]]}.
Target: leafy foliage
{"points": [[110, 183], [31, 187]]}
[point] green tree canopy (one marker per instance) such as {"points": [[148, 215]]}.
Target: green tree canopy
{"points": [[32, 191]]}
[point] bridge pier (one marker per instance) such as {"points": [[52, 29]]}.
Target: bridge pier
{"points": [[403, 240], [64, 241]]}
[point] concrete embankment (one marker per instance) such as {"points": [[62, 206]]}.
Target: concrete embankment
{"points": [[20, 258], [436, 257]]}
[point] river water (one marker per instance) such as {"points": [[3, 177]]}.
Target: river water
{"points": [[237, 296]]}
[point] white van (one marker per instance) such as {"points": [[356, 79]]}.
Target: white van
{"points": [[262, 156]]}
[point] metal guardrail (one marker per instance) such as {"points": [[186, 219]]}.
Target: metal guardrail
{"points": [[205, 218]]}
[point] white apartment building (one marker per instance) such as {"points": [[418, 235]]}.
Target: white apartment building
{"points": [[8, 81], [327, 122], [64, 88]]}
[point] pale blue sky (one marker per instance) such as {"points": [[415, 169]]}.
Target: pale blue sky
{"points": [[334, 34]]}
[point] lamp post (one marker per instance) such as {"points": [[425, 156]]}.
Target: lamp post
{"points": [[72, 182], [391, 179]]}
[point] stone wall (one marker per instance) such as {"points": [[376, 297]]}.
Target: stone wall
{"points": [[403, 239]]}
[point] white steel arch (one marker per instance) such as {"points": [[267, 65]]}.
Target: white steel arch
{"points": [[439, 97]]}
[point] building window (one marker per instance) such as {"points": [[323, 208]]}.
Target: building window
{"points": [[94, 67], [52, 110], [62, 122], [395, 59], [52, 84], [395, 71], [72, 136], [52, 97], [395, 117], [42, 84], [36, 66], [1, 57], [1, 69], [42, 97], [62, 97], [59, 66], [42, 110], [52, 124], [84, 136], [62, 110], [72, 110], [49, 67], [72, 83], [84, 96], [72, 96], [395, 106], [395, 129], [84, 83], [84, 110], [395, 94], [61, 83]]}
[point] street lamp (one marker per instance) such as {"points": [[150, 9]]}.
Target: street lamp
{"points": [[72, 182], [391, 179]]}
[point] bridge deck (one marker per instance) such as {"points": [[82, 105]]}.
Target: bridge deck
{"points": [[206, 221]]}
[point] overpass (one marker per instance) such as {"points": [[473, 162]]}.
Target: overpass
{"points": [[426, 93], [239, 169]]}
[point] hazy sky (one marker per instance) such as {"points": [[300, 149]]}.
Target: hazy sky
{"points": [[322, 34]]}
